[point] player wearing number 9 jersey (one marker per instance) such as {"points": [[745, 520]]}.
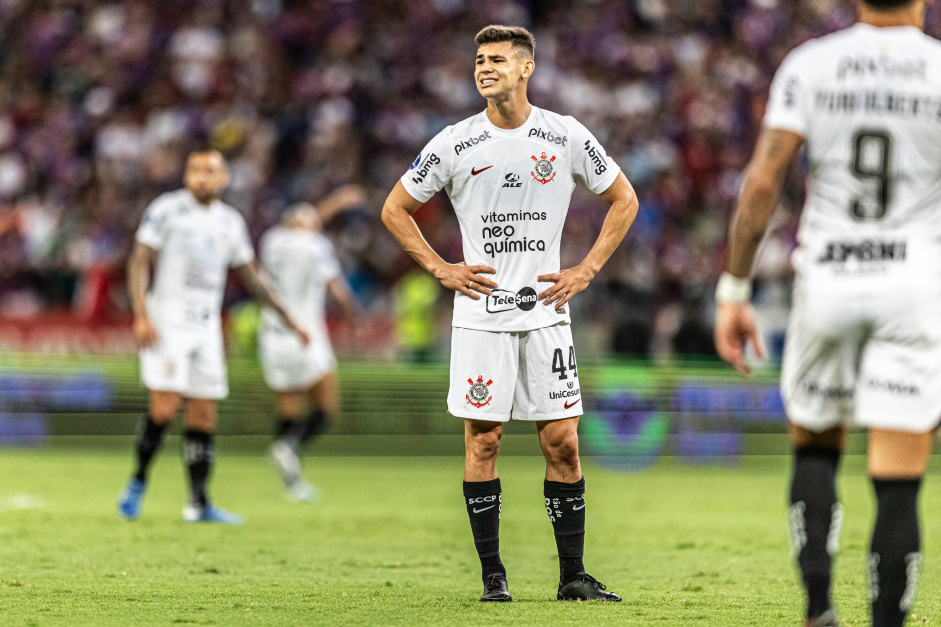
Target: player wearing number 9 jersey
{"points": [[510, 172], [864, 341]]}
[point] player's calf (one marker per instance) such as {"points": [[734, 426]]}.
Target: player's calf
{"points": [[198, 453], [149, 440], [895, 556], [815, 518], [483, 500], [565, 504]]}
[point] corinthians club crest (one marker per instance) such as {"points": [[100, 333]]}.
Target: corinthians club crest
{"points": [[479, 393], [543, 171]]}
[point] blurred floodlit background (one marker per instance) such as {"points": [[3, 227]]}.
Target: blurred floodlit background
{"points": [[101, 100]]}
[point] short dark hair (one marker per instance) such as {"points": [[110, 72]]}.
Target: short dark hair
{"points": [[886, 4], [202, 148], [523, 41]]}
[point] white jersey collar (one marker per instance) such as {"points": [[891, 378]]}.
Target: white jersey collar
{"points": [[509, 131], [886, 30]]}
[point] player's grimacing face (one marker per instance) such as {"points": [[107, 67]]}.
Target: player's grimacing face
{"points": [[206, 175], [499, 69]]}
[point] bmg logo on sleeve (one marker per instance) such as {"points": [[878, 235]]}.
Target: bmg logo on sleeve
{"points": [[425, 167]]}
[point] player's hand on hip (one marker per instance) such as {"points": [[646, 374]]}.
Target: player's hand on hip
{"points": [[565, 285], [735, 329], [466, 279], [299, 331], [144, 332]]}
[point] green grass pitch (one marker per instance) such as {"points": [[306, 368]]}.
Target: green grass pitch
{"points": [[389, 543]]}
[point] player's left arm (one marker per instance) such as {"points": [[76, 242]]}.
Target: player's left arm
{"points": [[761, 187], [341, 293], [260, 291], [621, 213]]}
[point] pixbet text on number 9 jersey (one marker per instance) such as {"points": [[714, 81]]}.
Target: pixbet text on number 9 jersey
{"points": [[511, 191], [867, 102]]}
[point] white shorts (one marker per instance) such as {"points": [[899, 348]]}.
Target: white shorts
{"points": [[189, 362], [289, 366], [871, 359], [526, 375]]}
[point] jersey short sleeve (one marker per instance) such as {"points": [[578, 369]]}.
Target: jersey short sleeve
{"points": [[153, 228], [431, 170], [590, 163], [242, 251], [787, 103]]}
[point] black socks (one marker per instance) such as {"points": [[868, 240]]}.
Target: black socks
{"points": [[483, 500], [565, 503], [149, 440], [198, 454], [814, 519], [894, 558], [297, 432]]}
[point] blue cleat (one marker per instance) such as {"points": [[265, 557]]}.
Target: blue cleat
{"points": [[211, 514], [129, 502]]}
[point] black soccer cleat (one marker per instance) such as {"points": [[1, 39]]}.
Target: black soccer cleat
{"points": [[495, 589], [584, 587]]}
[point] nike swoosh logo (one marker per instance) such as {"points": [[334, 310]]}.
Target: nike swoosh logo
{"points": [[568, 406], [477, 511], [475, 171], [578, 507]]}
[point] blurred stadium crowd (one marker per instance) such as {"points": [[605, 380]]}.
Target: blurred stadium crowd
{"points": [[100, 101]]}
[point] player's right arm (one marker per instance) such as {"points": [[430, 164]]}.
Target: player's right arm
{"points": [[138, 278], [785, 125], [764, 178], [397, 216], [150, 238]]}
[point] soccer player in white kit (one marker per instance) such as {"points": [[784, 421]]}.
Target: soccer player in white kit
{"points": [[304, 267], [191, 238], [510, 172], [863, 344]]}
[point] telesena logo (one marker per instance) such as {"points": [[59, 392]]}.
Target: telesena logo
{"points": [[512, 180], [504, 300], [425, 167]]}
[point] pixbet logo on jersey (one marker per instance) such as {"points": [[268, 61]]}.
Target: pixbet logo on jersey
{"points": [[470, 142], [479, 393], [504, 300], [548, 136], [543, 171]]}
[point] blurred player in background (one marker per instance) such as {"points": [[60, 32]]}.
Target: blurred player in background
{"points": [[191, 238], [510, 172], [304, 267], [864, 340]]}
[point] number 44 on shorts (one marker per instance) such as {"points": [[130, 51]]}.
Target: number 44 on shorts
{"points": [[558, 363]]}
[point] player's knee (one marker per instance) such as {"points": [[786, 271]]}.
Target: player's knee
{"points": [[201, 417], [164, 411], [564, 450], [486, 445]]}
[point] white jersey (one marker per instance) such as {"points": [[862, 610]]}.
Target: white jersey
{"points": [[511, 191], [301, 263], [196, 245], [867, 101]]}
